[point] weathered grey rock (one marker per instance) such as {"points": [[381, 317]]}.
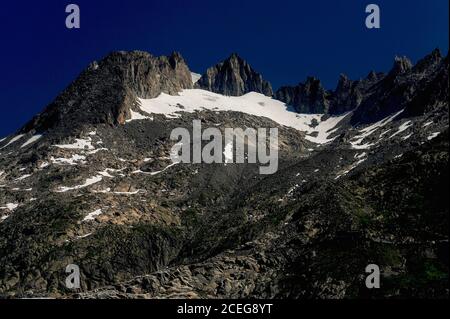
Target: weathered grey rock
{"points": [[308, 97], [107, 91], [234, 77], [349, 94], [414, 89]]}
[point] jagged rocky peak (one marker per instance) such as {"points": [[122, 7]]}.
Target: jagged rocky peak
{"points": [[428, 62], [147, 75], [415, 89], [349, 94], [234, 77], [373, 77], [344, 85], [346, 96], [401, 65], [308, 97], [107, 91]]}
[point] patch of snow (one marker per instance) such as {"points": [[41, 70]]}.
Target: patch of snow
{"points": [[325, 129], [251, 103], [195, 77], [103, 191], [292, 189], [97, 150], [138, 116], [10, 206], [44, 164], [22, 177], [365, 132], [88, 182], [352, 167], [74, 160], [363, 154], [84, 236], [128, 193], [14, 139], [79, 144], [406, 137], [402, 128], [153, 173], [427, 123], [433, 135], [31, 140], [91, 216], [384, 133], [106, 174]]}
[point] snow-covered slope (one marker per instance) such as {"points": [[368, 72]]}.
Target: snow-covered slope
{"points": [[251, 103]]}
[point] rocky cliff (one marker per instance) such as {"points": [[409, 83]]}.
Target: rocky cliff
{"points": [[106, 92], [405, 86], [234, 77]]}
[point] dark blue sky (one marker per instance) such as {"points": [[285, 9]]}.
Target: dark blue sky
{"points": [[284, 40]]}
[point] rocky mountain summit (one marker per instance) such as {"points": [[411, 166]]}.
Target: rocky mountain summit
{"points": [[377, 95], [107, 91], [363, 180], [234, 77]]}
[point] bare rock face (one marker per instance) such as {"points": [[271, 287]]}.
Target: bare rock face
{"points": [[148, 76], [234, 77], [106, 91], [308, 97], [415, 89], [349, 94], [401, 65]]}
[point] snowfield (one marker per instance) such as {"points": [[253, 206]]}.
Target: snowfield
{"points": [[251, 103]]}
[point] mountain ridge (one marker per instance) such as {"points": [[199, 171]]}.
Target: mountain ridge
{"points": [[122, 77], [90, 182]]}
